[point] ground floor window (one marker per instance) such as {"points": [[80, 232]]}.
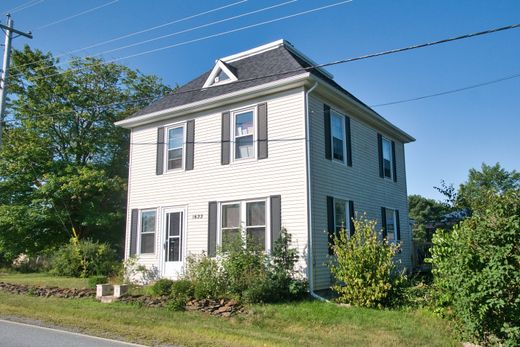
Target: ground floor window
{"points": [[391, 225], [147, 234], [244, 219]]}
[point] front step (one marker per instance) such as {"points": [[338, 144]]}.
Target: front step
{"points": [[107, 293]]}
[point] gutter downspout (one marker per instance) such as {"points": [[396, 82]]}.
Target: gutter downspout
{"points": [[310, 261]]}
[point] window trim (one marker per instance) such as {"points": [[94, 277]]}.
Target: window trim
{"points": [[383, 139], [394, 217], [234, 113], [167, 141], [334, 112], [347, 214], [243, 219], [219, 66], [140, 231]]}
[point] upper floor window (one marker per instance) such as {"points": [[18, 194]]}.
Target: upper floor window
{"points": [[148, 225], [244, 134], [387, 158], [175, 154], [337, 125]]}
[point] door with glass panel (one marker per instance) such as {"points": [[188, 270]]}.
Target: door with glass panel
{"points": [[174, 235]]}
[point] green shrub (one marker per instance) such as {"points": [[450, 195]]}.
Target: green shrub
{"points": [[206, 276], [476, 270], [93, 281], [161, 287], [364, 267], [84, 258], [245, 269], [181, 291]]}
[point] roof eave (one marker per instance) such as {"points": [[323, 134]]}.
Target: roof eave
{"points": [[372, 116], [263, 89]]}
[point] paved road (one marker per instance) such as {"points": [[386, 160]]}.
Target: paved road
{"points": [[14, 334]]}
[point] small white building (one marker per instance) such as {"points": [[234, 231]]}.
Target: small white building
{"points": [[260, 142]]}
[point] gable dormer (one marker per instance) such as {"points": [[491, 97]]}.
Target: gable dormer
{"points": [[221, 74]]}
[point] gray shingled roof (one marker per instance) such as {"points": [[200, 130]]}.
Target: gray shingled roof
{"points": [[275, 61]]}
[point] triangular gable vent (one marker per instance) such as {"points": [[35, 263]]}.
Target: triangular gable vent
{"points": [[220, 74]]}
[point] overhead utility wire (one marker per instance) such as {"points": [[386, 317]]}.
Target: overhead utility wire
{"points": [[140, 31], [194, 28], [24, 6], [76, 15], [367, 56], [473, 86], [203, 38]]}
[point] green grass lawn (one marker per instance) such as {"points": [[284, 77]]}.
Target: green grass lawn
{"points": [[309, 323], [43, 279]]}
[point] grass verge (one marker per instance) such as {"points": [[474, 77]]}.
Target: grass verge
{"points": [[43, 279], [307, 323]]}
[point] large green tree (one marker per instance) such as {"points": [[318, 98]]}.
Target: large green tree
{"points": [[424, 211], [63, 164]]}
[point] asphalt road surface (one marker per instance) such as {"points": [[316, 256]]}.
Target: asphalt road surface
{"points": [[13, 334]]}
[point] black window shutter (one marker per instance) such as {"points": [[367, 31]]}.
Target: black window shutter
{"points": [[212, 228], [134, 219], [383, 220], [349, 141], [330, 222], [159, 169], [190, 144], [398, 225], [394, 161], [225, 146], [328, 147], [380, 154], [276, 218], [262, 130], [352, 216]]}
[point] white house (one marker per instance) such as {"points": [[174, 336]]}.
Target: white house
{"points": [[260, 142]]}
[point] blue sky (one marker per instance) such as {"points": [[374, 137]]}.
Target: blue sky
{"points": [[454, 132]]}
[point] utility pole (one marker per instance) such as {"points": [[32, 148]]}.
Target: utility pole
{"points": [[8, 30]]}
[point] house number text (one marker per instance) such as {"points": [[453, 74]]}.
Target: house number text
{"points": [[198, 216]]}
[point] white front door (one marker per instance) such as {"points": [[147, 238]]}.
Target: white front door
{"points": [[173, 240]]}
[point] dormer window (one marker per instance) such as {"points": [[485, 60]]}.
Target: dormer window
{"points": [[220, 74], [221, 77]]}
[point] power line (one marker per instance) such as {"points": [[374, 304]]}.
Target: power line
{"points": [[24, 6], [140, 31], [204, 38], [337, 62], [451, 91], [76, 15], [193, 28]]}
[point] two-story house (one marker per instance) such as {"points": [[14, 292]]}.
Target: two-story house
{"points": [[260, 142]]}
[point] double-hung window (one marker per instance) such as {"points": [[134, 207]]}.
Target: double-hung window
{"points": [[391, 225], [245, 220], [387, 158], [340, 215], [244, 134], [147, 237], [175, 153], [337, 124]]}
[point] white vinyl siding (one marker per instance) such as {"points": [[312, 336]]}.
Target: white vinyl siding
{"points": [[280, 174], [360, 183]]}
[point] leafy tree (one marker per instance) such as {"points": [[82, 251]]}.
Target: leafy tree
{"points": [[490, 178], [64, 162], [476, 269], [423, 211]]}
